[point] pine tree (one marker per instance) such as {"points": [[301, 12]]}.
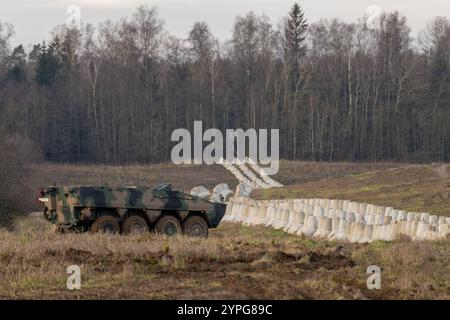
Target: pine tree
{"points": [[17, 65], [48, 64], [295, 33]]}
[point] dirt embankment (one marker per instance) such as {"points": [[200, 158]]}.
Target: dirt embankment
{"points": [[419, 188]]}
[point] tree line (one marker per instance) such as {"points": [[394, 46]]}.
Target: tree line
{"points": [[336, 90]]}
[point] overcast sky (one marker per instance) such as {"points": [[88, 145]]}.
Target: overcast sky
{"points": [[34, 19]]}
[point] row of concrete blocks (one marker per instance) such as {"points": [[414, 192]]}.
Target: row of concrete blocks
{"points": [[255, 177], [245, 176], [337, 219], [270, 183]]}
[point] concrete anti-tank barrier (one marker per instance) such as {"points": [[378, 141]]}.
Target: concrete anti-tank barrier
{"points": [[337, 220]]}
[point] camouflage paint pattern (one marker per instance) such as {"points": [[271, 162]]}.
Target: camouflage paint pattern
{"points": [[72, 206]]}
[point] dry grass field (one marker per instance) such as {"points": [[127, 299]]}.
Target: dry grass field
{"points": [[235, 261], [185, 177], [419, 188]]}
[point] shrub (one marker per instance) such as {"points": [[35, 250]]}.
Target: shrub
{"points": [[16, 194]]}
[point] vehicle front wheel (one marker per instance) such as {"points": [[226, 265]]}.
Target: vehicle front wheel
{"points": [[105, 224], [168, 225], [195, 226]]}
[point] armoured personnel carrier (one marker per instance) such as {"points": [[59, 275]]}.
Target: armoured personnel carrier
{"points": [[130, 210]]}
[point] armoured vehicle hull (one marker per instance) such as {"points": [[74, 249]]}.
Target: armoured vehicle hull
{"points": [[130, 209]]}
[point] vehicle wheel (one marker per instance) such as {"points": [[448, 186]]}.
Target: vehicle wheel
{"points": [[195, 226], [134, 225], [106, 224], [168, 225]]}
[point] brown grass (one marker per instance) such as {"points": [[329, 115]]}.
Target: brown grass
{"points": [[418, 188], [235, 262], [183, 177], [295, 172]]}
